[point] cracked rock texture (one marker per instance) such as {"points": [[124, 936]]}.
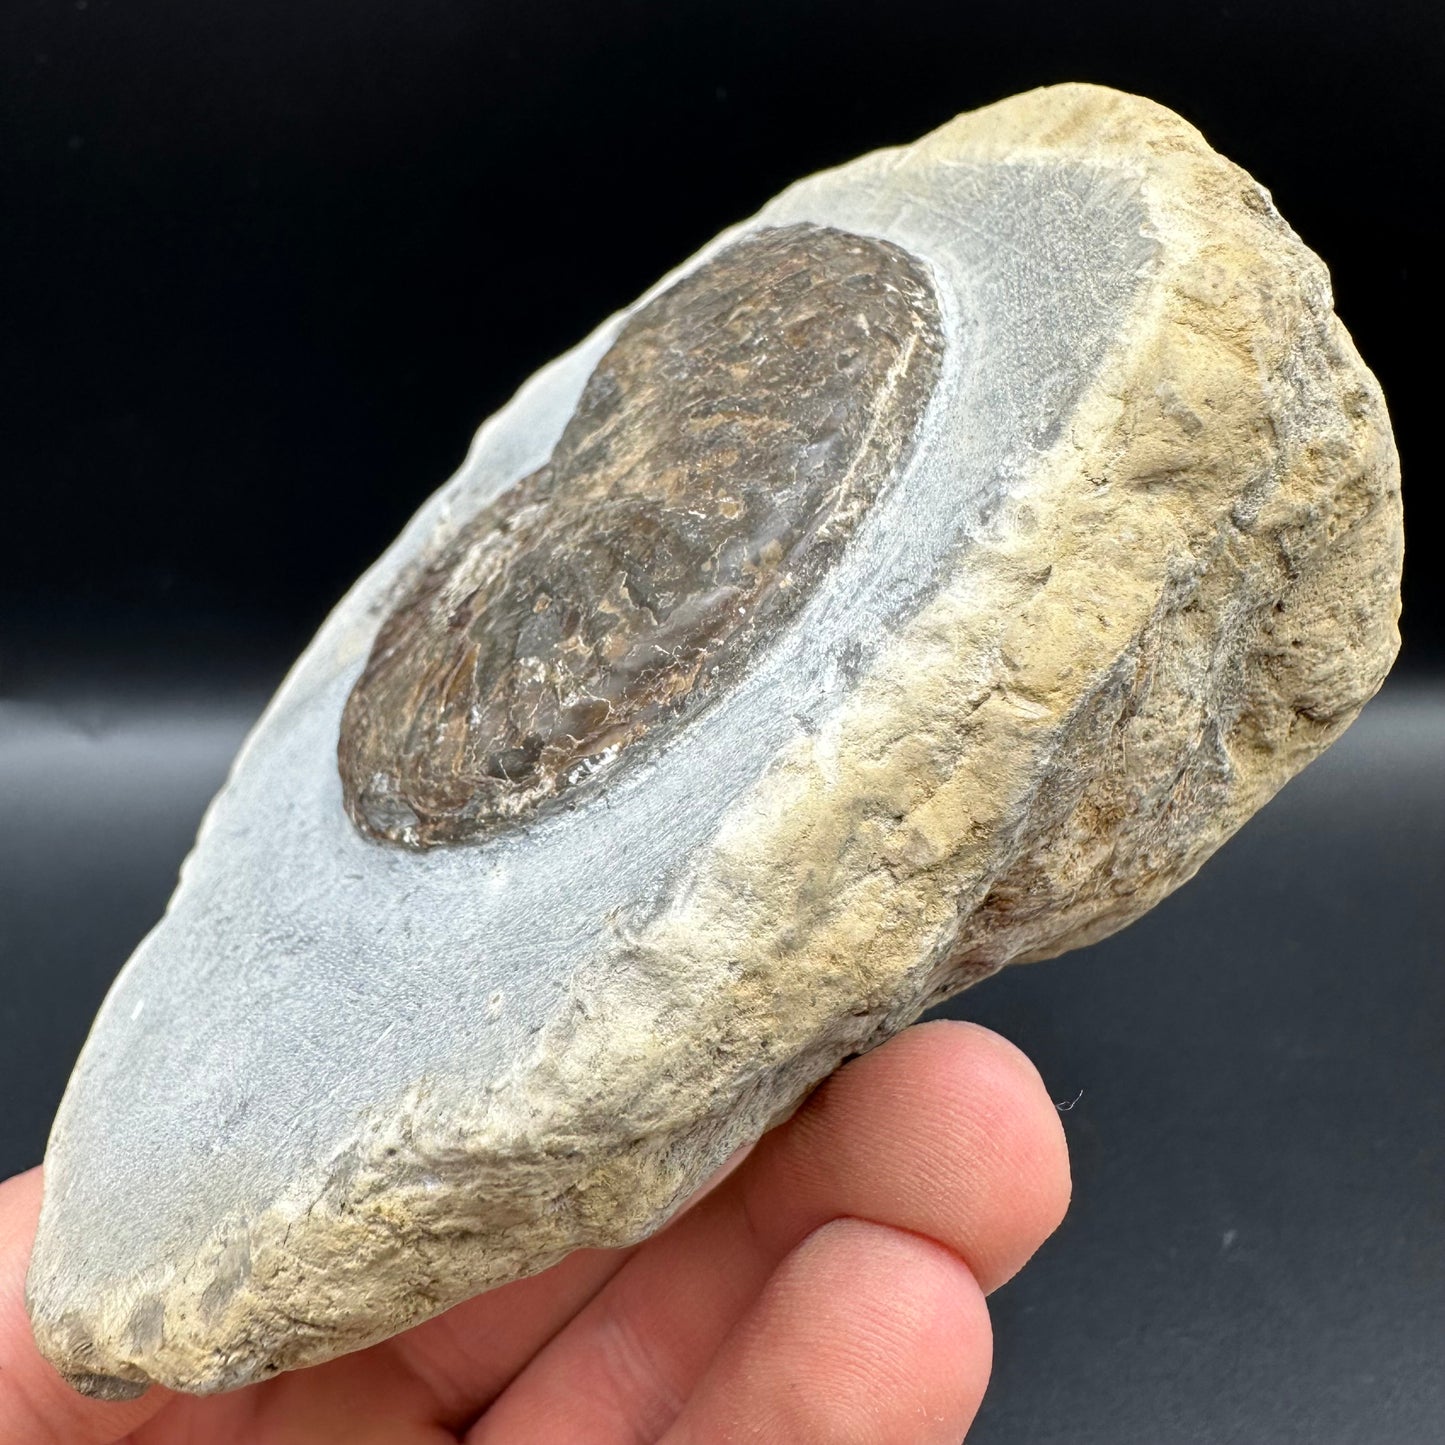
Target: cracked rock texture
{"points": [[1137, 566]]}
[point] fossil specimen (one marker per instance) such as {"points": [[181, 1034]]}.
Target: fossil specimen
{"points": [[929, 575], [719, 456]]}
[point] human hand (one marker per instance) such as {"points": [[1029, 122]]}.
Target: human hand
{"points": [[830, 1289]]}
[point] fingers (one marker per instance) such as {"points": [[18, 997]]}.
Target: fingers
{"points": [[864, 1334], [468, 1355], [946, 1132], [37, 1407]]}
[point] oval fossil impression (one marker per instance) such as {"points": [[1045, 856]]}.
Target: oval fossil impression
{"points": [[722, 451]]}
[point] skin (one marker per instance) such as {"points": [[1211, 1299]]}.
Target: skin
{"points": [[831, 1288]]}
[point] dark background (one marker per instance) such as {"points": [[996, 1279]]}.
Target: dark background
{"points": [[263, 269]]}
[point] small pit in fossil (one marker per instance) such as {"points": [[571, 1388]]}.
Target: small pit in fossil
{"points": [[722, 452]]}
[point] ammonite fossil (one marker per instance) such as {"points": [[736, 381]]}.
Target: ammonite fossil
{"points": [[722, 451]]}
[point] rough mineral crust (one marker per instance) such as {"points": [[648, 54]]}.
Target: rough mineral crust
{"points": [[929, 575]]}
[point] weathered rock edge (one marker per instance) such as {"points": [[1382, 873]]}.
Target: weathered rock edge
{"points": [[1194, 596]]}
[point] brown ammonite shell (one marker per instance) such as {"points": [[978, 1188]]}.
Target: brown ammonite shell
{"points": [[721, 453]]}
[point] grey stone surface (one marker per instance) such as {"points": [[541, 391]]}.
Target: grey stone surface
{"points": [[1141, 565]]}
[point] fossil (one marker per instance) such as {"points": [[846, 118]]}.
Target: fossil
{"points": [[721, 452], [927, 576]]}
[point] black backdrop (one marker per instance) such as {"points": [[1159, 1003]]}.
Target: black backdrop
{"points": [[264, 267]]}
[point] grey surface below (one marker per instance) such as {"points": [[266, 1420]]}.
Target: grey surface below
{"points": [[1256, 1072]]}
